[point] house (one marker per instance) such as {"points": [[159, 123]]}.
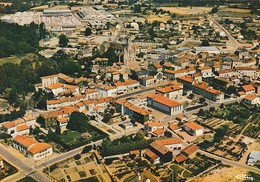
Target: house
{"points": [[153, 126], [59, 88], [206, 71], [106, 91], [16, 127], [181, 118], [248, 89], [251, 99], [32, 148], [135, 112], [193, 128], [60, 102], [158, 153], [171, 143], [148, 81], [188, 152], [126, 86], [171, 92], [164, 104], [91, 94], [174, 127]]}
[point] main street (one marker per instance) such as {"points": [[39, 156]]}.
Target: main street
{"points": [[233, 41]]}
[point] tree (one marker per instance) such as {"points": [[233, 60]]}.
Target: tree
{"points": [[88, 32], [78, 122], [205, 43], [107, 117], [42, 30], [151, 33], [137, 8], [201, 112], [202, 100], [63, 40], [41, 121], [214, 10], [220, 133]]}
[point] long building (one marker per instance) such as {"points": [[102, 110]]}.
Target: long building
{"points": [[164, 104]]}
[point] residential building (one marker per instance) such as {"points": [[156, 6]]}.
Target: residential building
{"points": [[32, 148], [133, 111], [248, 89], [188, 152], [157, 153], [148, 81], [193, 128], [171, 92], [151, 128], [106, 91], [17, 127], [251, 99]]}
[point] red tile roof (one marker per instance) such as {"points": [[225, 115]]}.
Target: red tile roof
{"points": [[193, 126], [248, 88], [164, 100], [38, 147], [24, 140], [180, 158], [22, 127], [250, 97], [152, 124], [190, 149], [169, 141], [151, 155], [158, 131]]}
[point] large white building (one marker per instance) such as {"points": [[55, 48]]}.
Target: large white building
{"points": [[164, 104], [32, 148]]}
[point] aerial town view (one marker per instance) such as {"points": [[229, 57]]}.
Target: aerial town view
{"points": [[129, 90]]}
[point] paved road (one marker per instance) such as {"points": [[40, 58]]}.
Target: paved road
{"points": [[232, 163], [233, 41], [24, 168]]}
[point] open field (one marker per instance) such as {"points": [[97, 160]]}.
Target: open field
{"points": [[237, 10], [160, 18], [225, 173], [187, 10], [17, 59]]}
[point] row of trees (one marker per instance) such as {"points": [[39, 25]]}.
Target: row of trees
{"points": [[124, 145]]}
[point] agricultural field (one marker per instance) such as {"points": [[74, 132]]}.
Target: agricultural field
{"points": [[226, 148], [187, 10], [253, 130], [192, 167], [81, 167], [160, 18]]}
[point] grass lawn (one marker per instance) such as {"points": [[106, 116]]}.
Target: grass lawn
{"points": [[176, 169], [17, 59], [70, 137], [27, 179], [186, 174]]}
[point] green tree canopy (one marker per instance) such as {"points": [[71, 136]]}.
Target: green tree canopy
{"points": [[88, 32], [78, 122], [63, 40]]}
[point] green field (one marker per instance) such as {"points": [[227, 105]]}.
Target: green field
{"points": [[17, 59]]}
